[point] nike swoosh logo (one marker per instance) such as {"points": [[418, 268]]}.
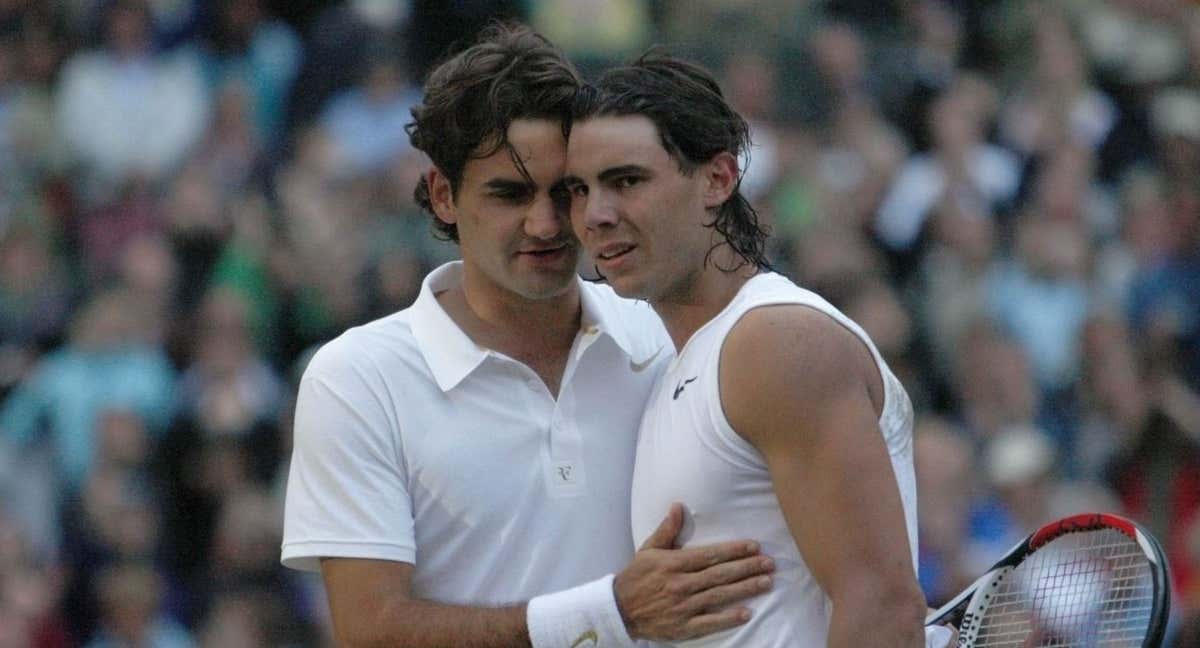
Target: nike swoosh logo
{"points": [[679, 388], [590, 635], [639, 367]]}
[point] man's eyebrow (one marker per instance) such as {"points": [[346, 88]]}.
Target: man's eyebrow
{"points": [[625, 169], [504, 184]]}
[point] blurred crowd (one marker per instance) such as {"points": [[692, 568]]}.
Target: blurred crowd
{"points": [[194, 194]]}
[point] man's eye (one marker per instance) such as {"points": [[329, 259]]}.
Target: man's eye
{"points": [[513, 196], [579, 190], [625, 182], [561, 196]]}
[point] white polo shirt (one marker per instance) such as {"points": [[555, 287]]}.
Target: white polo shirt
{"points": [[414, 444]]}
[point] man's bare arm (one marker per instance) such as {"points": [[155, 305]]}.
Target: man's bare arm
{"points": [[806, 392], [372, 605], [664, 594]]}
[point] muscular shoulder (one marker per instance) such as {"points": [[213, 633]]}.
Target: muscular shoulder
{"points": [[791, 362], [794, 343]]}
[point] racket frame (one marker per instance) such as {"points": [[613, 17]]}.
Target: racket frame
{"points": [[967, 619]]}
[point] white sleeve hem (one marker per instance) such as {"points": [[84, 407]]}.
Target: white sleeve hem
{"points": [[306, 556]]}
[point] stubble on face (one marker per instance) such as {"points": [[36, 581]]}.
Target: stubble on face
{"points": [[514, 236]]}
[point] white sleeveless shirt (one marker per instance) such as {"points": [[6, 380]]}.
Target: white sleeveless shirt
{"points": [[688, 452]]}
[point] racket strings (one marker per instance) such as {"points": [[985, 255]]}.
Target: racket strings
{"points": [[1085, 589]]}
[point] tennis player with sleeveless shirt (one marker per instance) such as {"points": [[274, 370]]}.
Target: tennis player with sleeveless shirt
{"points": [[778, 417], [473, 452]]}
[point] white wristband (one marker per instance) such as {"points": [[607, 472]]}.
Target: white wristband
{"points": [[571, 618], [938, 636]]}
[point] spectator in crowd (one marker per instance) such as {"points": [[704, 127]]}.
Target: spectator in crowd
{"points": [[993, 382], [34, 299], [1157, 473], [596, 32], [115, 520], [255, 58], [945, 460], [842, 75], [752, 80], [131, 599], [229, 387], [1056, 104], [246, 563], [1040, 298], [1142, 238], [126, 110], [961, 167], [106, 362], [366, 123], [232, 155], [250, 618], [951, 280], [30, 145], [30, 590], [147, 268]]}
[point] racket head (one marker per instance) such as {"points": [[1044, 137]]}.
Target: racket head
{"points": [[1093, 579]]}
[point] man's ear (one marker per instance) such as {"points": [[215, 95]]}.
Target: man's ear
{"points": [[441, 196], [721, 179]]}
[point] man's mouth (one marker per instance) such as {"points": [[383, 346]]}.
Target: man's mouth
{"points": [[545, 251], [609, 252]]}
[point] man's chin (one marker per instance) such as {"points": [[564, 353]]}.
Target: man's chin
{"points": [[547, 286], [626, 286]]}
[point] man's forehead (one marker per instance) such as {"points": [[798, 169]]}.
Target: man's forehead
{"points": [[523, 135], [538, 144], [611, 140], [627, 127]]}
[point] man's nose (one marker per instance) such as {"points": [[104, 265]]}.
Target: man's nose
{"points": [[544, 219], [597, 212]]}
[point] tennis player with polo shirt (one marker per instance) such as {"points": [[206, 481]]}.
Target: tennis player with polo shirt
{"points": [[778, 416], [474, 451]]}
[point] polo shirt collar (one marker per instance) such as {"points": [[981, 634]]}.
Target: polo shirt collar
{"points": [[449, 352], [600, 316], [452, 355]]}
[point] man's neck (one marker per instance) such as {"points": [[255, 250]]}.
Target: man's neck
{"points": [[511, 324], [683, 314], [538, 333]]}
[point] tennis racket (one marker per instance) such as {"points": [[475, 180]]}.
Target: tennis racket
{"points": [[1089, 581]]}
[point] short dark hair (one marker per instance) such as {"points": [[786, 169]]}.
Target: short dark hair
{"points": [[510, 73], [694, 124]]}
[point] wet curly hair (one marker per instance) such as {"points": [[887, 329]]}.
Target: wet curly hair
{"points": [[694, 124], [511, 72]]}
